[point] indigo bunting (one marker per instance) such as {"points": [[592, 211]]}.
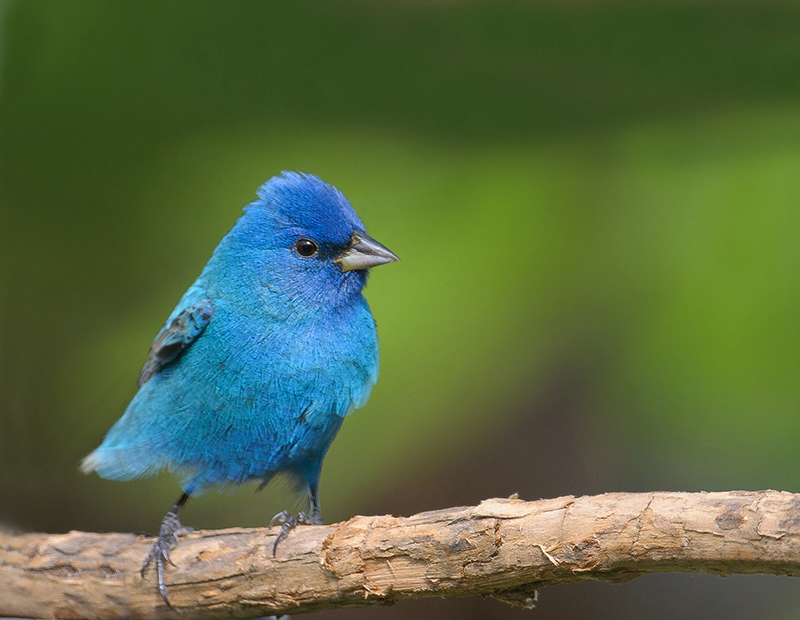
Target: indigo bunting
{"points": [[261, 360]]}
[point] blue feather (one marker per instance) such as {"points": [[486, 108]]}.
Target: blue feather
{"points": [[263, 357]]}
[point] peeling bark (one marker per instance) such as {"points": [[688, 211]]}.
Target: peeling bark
{"points": [[506, 548]]}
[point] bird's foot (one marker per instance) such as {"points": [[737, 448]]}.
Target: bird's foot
{"points": [[289, 522], [167, 540]]}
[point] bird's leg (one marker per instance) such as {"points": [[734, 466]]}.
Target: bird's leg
{"points": [[171, 528], [290, 522], [315, 518]]}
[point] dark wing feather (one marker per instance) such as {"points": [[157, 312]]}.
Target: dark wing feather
{"points": [[176, 337]]}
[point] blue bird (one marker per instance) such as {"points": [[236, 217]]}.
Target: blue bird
{"points": [[261, 360]]}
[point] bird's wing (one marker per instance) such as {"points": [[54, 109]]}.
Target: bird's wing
{"points": [[176, 336]]}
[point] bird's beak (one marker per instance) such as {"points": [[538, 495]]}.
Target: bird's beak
{"points": [[363, 252]]}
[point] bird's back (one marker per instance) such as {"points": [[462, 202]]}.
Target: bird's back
{"points": [[253, 396]]}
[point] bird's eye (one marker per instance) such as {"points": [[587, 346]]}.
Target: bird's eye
{"points": [[306, 248]]}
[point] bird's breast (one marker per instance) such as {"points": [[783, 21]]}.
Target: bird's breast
{"points": [[324, 363]]}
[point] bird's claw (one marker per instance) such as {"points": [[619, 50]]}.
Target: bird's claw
{"points": [[289, 522], [167, 540], [284, 516]]}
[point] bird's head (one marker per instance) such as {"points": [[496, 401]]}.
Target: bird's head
{"points": [[312, 246]]}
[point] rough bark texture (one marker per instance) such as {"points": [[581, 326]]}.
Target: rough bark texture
{"points": [[505, 548]]}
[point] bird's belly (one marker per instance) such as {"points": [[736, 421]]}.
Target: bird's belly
{"points": [[252, 409]]}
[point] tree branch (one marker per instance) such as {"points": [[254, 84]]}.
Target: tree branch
{"points": [[505, 548]]}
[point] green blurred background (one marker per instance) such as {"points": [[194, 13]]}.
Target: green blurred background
{"points": [[597, 205]]}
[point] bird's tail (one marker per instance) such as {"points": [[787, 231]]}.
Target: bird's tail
{"points": [[122, 463], [89, 463]]}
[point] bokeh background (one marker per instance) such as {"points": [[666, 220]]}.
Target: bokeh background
{"points": [[597, 207]]}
